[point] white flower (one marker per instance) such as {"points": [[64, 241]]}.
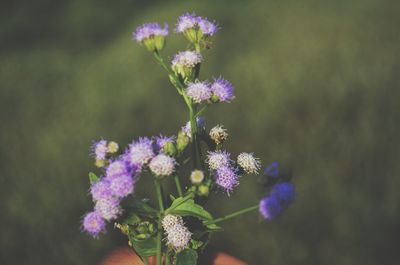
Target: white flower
{"points": [[162, 165], [170, 220], [218, 159], [249, 163], [178, 236]]}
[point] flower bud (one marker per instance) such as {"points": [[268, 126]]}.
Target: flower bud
{"points": [[196, 177], [204, 190], [170, 148], [100, 163], [182, 141], [112, 147]]}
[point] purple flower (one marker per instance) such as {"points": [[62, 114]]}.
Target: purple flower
{"points": [[101, 190], [223, 90], [93, 224], [162, 140], [218, 159], [226, 178], [108, 209], [185, 22], [150, 30], [187, 59], [140, 152], [280, 197], [270, 208], [121, 186], [207, 27], [117, 168], [199, 92], [284, 192], [191, 21], [99, 149]]}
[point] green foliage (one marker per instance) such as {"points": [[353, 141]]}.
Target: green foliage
{"points": [[93, 178], [186, 257], [183, 207]]}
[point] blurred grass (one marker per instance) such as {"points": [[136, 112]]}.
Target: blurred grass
{"points": [[317, 89]]}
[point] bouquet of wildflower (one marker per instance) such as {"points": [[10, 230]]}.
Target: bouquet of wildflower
{"points": [[179, 227]]}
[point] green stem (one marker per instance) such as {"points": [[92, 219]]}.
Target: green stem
{"points": [[159, 227], [233, 215], [167, 258], [146, 261], [178, 185]]}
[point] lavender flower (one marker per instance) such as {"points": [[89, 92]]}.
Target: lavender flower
{"points": [[280, 197], [162, 165], [108, 209], [101, 190], [199, 92], [140, 152], [117, 168], [100, 149], [187, 59], [93, 224], [150, 30], [162, 140], [222, 90], [121, 186], [218, 159], [226, 178], [190, 22], [249, 163]]}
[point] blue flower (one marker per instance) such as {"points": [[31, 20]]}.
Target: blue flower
{"points": [[280, 197], [272, 170]]}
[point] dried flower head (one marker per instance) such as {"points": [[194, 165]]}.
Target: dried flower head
{"points": [[199, 92], [162, 165], [218, 134], [249, 163], [93, 224]]}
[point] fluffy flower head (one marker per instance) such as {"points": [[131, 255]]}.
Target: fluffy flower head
{"points": [[108, 209], [101, 190], [187, 59], [249, 163], [284, 192], [171, 220], [222, 90], [199, 92], [140, 152], [226, 178], [280, 197], [162, 165], [93, 224], [192, 22], [121, 186], [100, 149], [150, 30], [218, 159], [178, 236], [270, 208], [162, 140], [117, 168]]}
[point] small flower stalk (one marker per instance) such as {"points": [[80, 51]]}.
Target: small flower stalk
{"points": [[174, 226]]}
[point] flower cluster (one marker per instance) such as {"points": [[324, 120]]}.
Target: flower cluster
{"points": [[219, 91]]}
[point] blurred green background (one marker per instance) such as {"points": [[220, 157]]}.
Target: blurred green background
{"points": [[317, 86]]}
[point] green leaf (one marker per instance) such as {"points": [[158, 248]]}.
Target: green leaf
{"points": [[142, 208], [196, 243], [186, 257], [189, 208], [93, 178], [132, 219], [145, 248]]}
